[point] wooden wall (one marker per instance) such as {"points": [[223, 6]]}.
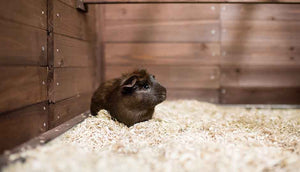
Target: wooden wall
{"points": [[222, 53], [47, 67]]}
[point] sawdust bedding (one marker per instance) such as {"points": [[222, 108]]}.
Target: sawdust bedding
{"points": [[182, 136]]}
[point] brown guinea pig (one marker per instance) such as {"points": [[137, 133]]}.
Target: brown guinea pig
{"points": [[129, 99]]}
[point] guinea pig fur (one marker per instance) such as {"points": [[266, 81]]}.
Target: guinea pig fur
{"points": [[129, 99]]}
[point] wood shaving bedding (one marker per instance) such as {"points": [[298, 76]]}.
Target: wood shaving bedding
{"points": [[182, 136]]}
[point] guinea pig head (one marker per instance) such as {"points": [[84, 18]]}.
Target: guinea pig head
{"points": [[141, 90]]}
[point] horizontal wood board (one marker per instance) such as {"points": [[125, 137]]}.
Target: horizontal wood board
{"points": [[256, 45], [66, 109], [260, 76], [162, 12], [240, 12], [207, 95], [229, 95], [71, 22], [22, 86], [22, 45], [21, 125], [174, 76], [162, 53], [70, 52], [70, 82], [27, 12], [161, 31]]}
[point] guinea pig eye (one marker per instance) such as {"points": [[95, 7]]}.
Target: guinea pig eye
{"points": [[153, 76], [146, 86]]}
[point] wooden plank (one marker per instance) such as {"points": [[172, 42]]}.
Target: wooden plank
{"points": [[69, 52], [22, 45], [162, 12], [260, 54], [260, 76], [19, 126], [162, 53], [67, 109], [22, 86], [28, 12], [42, 139], [71, 3], [91, 10], [71, 22], [163, 31], [260, 95], [263, 32], [260, 12], [69, 82], [100, 52], [174, 76], [207, 95]]}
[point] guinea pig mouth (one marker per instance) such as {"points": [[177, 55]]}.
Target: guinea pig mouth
{"points": [[164, 95], [161, 96]]}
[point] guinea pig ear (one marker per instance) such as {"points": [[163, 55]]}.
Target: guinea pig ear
{"points": [[128, 84]]}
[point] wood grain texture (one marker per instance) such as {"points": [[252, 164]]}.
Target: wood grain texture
{"points": [[28, 12], [174, 76], [164, 31], [248, 53], [22, 86], [69, 82], [188, 1], [260, 12], [21, 125], [162, 12], [69, 108], [100, 52], [22, 45], [162, 53], [264, 32], [69, 52], [71, 22], [207, 95], [260, 76], [91, 9], [260, 95]]}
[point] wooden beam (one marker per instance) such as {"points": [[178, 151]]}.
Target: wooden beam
{"points": [[43, 138], [21, 125]]}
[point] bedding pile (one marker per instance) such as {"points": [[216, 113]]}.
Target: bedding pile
{"points": [[183, 135]]}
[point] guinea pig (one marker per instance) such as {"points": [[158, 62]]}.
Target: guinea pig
{"points": [[129, 99]]}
